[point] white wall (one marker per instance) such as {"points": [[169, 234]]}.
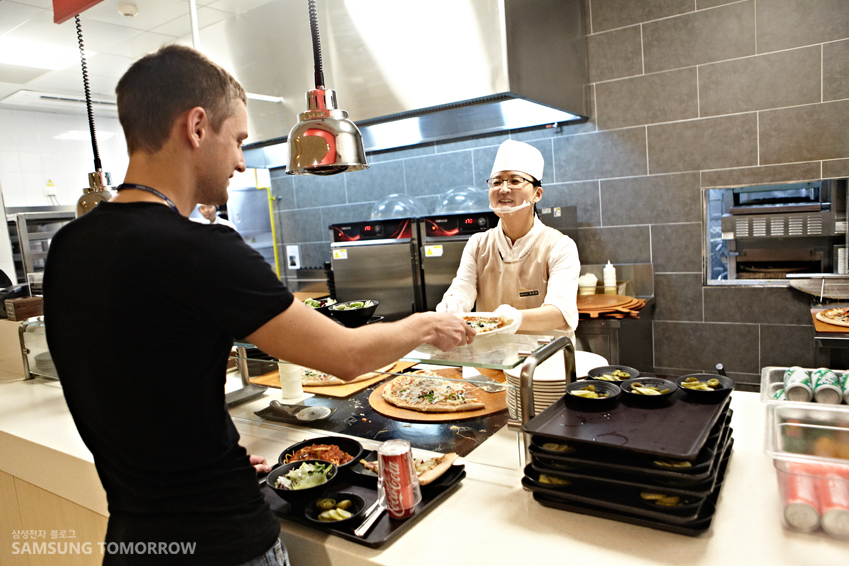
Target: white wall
{"points": [[41, 147], [38, 148]]}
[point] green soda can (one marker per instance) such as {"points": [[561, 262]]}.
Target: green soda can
{"points": [[827, 386], [797, 384], [779, 395]]}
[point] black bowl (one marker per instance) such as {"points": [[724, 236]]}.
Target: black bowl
{"points": [[324, 308], [300, 497], [726, 384], [357, 508], [638, 398], [347, 445], [610, 388], [352, 318], [596, 373]]}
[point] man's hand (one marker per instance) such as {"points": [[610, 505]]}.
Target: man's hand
{"points": [[448, 331], [260, 464]]}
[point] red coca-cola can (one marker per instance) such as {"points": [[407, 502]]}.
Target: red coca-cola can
{"points": [[398, 484]]}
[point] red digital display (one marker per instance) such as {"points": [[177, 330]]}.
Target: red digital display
{"points": [[469, 221], [367, 228]]}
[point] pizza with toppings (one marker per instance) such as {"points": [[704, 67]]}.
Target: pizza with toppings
{"points": [[315, 378], [427, 469], [429, 393], [483, 323], [838, 317]]}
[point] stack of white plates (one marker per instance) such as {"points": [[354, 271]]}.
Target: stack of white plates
{"points": [[549, 380]]}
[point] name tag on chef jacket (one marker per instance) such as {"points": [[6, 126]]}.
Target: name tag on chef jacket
{"points": [[528, 293]]}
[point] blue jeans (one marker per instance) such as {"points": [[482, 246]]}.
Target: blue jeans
{"points": [[275, 556]]}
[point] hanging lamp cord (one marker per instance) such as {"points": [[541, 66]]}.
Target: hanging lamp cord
{"points": [[97, 164], [316, 46]]}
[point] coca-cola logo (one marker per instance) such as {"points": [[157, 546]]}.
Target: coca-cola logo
{"points": [[392, 479]]}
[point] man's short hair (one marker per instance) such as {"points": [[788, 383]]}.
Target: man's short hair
{"points": [[159, 87]]}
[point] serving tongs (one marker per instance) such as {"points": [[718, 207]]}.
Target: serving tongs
{"points": [[301, 412]]}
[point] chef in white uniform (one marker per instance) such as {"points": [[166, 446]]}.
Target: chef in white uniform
{"points": [[521, 268]]}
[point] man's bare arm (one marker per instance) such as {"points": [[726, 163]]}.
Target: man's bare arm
{"points": [[304, 337]]}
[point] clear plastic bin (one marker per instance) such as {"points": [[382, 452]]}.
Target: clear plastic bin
{"points": [[809, 445]]}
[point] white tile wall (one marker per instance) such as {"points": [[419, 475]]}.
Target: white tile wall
{"points": [[37, 148]]}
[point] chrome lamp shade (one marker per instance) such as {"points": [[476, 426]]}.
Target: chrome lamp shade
{"points": [[324, 141]]}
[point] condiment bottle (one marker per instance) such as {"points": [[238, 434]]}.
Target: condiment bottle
{"points": [[609, 273]]}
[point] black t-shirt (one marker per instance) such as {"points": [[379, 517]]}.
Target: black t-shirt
{"points": [[141, 310]]}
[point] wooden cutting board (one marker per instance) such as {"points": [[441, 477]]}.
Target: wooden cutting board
{"points": [[272, 379], [820, 326], [493, 403]]}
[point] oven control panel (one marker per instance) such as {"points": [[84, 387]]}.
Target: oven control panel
{"points": [[395, 229], [453, 225]]}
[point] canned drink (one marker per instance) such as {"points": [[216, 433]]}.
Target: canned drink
{"points": [[827, 386], [799, 497], [398, 484], [833, 498], [797, 384], [779, 395], [845, 387]]}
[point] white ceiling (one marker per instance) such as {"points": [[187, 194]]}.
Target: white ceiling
{"points": [[116, 41]]}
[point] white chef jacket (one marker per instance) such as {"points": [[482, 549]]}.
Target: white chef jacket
{"points": [[562, 264]]}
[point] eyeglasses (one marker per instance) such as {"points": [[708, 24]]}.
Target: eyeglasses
{"points": [[513, 183]]}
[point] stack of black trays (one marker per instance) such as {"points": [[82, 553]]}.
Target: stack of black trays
{"points": [[617, 455]]}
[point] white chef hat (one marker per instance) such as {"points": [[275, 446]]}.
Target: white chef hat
{"points": [[518, 156]]}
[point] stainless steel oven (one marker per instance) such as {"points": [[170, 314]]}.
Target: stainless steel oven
{"points": [[443, 238], [378, 259]]}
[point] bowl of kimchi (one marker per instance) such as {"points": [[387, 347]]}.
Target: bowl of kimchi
{"points": [[341, 451]]}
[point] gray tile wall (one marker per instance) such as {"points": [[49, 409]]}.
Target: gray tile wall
{"points": [[685, 95]]}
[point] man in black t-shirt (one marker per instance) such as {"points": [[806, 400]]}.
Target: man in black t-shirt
{"points": [[142, 357]]}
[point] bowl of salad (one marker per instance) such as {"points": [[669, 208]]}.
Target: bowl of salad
{"points": [[354, 313], [303, 481], [321, 305]]}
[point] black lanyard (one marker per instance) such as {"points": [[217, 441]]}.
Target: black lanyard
{"points": [[151, 190]]}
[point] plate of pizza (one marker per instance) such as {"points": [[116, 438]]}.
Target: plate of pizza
{"points": [[433, 472], [428, 392], [488, 323], [837, 317], [434, 396]]}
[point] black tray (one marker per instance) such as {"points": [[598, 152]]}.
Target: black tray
{"points": [[699, 490], [677, 429], [385, 529], [695, 527], [627, 466]]}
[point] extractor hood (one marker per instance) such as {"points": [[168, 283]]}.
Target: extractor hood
{"points": [[410, 71]]}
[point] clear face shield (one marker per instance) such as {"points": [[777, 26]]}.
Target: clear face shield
{"points": [[514, 183]]}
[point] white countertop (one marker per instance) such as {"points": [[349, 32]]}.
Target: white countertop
{"points": [[489, 519]]}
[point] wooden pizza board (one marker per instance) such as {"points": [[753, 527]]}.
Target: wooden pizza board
{"points": [[601, 302], [820, 326], [272, 379], [493, 403]]}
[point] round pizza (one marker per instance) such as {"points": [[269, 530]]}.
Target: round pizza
{"points": [[838, 317], [315, 378], [486, 322], [429, 393]]}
